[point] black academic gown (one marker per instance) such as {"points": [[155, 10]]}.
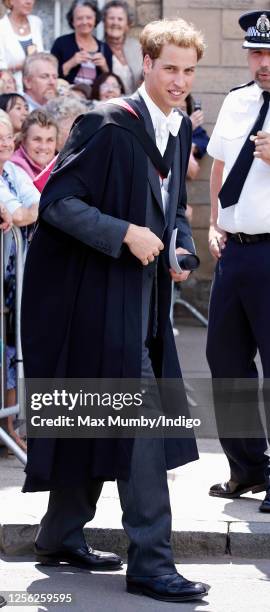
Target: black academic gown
{"points": [[81, 305]]}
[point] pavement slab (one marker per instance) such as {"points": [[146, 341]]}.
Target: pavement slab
{"points": [[238, 586]]}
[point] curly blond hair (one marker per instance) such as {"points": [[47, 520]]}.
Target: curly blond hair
{"points": [[177, 32]]}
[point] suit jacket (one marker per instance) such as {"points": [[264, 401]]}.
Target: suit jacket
{"points": [[178, 198], [84, 317]]}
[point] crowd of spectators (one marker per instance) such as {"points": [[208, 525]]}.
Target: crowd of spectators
{"points": [[41, 94]]}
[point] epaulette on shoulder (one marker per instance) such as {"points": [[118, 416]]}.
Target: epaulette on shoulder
{"points": [[242, 86]]}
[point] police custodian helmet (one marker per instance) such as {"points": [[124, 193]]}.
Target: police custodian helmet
{"points": [[256, 24]]}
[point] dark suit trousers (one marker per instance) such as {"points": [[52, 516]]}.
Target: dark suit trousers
{"points": [[238, 327], [144, 497]]}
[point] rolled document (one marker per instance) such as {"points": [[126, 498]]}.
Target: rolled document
{"points": [[183, 262]]}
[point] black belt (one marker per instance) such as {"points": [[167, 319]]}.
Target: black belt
{"points": [[242, 238]]}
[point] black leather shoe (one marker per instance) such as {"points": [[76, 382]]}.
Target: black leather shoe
{"points": [[2, 602], [171, 587], [80, 557], [265, 505], [232, 490]]}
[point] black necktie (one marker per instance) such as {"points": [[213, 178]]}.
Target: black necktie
{"points": [[234, 183]]}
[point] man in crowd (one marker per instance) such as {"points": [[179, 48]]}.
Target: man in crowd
{"points": [[239, 238], [40, 75], [96, 304]]}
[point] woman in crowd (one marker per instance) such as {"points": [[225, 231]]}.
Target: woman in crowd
{"points": [[20, 198], [20, 35], [17, 108], [38, 142], [107, 86], [7, 82], [64, 111], [127, 55], [81, 56]]}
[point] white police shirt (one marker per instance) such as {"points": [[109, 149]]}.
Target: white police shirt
{"points": [[238, 114]]}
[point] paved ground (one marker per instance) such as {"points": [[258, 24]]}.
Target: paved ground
{"points": [[201, 524], [241, 586]]}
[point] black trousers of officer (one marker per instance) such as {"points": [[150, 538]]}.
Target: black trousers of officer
{"points": [[144, 497], [239, 326]]}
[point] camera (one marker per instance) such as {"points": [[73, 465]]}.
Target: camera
{"points": [[197, 105]]}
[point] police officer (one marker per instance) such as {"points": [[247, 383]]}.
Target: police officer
{"points": [[239, 237]]}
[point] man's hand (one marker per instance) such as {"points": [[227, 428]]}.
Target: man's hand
{"points": [[217, 241], [143, 243], [5, 219], [262, 146], [176, 277]]}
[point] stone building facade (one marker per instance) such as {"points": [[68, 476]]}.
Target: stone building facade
{"points": [[223, 67]]}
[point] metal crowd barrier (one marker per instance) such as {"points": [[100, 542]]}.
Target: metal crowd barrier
{"points": [[177, 299], [19, 408]]}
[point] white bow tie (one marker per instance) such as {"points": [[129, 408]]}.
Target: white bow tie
{"points": [[169, 124]]}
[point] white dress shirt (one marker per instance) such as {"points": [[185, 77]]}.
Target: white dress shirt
{"points": [[162, 132], [238, 114]]}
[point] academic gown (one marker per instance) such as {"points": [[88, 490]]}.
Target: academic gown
{"points": [[81, 303]]}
